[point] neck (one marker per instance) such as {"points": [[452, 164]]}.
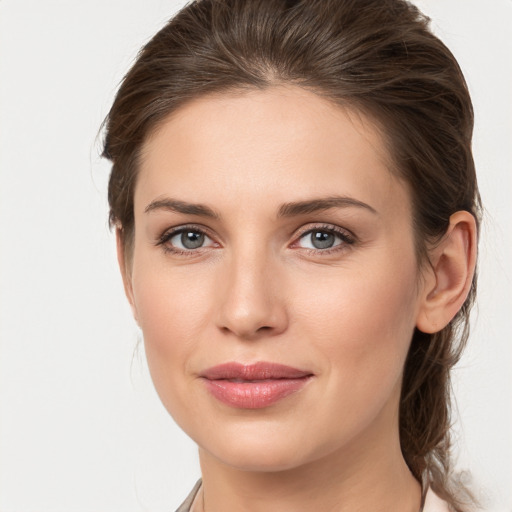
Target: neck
{"points": [[351, 479]]}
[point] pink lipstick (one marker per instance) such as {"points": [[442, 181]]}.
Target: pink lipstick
{"points": [[253, 386]]}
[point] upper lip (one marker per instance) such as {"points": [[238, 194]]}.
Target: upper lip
{"points": [[257, 371]]}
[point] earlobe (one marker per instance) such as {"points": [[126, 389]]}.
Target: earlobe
{"points": [[125, 270], [448, 283]]}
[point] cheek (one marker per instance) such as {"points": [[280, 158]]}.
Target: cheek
{"points": [[361, 328], [364, 316], [171, 301], [172, 309]]}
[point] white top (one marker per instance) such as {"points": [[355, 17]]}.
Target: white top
{"points": [[433, 503]]}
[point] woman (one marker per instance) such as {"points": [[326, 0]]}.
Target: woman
{"points": [[296, 212]]}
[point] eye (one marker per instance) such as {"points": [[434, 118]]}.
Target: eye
{"points": [[325, 238], [185, 239], [188, 239]]}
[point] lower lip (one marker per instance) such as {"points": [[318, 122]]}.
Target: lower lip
{"points": [[255, 394]]}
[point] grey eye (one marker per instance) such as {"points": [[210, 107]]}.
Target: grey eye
{"points": [[188, 240], [192, 240], [322, 239]]}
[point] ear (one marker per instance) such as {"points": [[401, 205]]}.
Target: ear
{"points": [[448, 282], [125, 270]]}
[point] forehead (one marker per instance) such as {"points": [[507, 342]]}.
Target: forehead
{"points": [[280, 144]]}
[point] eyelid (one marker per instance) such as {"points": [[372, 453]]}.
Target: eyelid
{"points": [[347, 237], [323, 226], [171, 232]]}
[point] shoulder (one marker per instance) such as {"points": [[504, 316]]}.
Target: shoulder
{"points": [[433, 503]]}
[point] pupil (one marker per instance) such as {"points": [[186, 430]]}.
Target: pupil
{"points": [[192, 239], [322, 239]]}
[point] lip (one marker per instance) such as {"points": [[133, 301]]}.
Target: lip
{"points": [[253, 386]]}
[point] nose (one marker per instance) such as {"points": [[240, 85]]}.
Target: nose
{"points": [[252, 303]]}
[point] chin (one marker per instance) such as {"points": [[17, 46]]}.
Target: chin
{"points": [[263, 459], [258, 449]]}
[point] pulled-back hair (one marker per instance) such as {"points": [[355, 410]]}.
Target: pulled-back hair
{"points": [[375, 56]]}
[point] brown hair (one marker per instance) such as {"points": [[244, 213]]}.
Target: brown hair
{"points": [[377, 56]]}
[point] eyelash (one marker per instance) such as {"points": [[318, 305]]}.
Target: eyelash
{"points": [[346, 237], [168, 235]]}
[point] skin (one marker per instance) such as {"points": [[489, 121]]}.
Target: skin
{"points": [[258, 290]]}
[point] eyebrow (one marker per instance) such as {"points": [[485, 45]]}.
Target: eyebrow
{"points": [[177, 206], [316, 205], [286, 210]]}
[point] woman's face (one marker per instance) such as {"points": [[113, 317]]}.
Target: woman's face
{"points": [[274, 277]]}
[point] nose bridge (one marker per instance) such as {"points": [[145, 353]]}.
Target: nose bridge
{"points": [[251, 304]]}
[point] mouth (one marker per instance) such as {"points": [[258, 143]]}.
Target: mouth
{"points": [[253, 386]]}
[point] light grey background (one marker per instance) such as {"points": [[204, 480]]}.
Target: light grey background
{"points": [[81, 428]]}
